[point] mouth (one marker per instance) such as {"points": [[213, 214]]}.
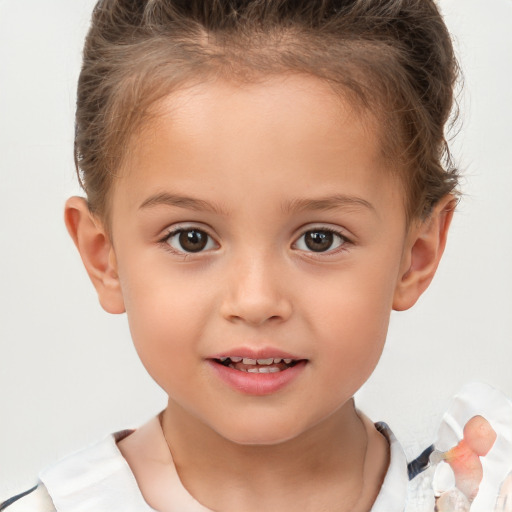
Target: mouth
{"points": [[258, 372], [267, 365]]}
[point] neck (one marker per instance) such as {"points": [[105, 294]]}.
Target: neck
{"points": [[325, 460]]}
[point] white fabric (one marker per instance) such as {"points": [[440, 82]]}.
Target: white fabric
{"points": [[99, 479], [480, 399], [495, 489], [393, 493], [36, 501], [96, 479]]}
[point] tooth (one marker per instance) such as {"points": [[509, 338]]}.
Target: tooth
{"points": [[277, 361], [223, 359], [246, 360], [243, 370], [265, 361], [232, 366], [252, 370], [273, 369], [265, 369], [287, 361], [236, 359]]}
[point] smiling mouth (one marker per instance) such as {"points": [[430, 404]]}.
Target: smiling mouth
{"points": [[245, 364]]}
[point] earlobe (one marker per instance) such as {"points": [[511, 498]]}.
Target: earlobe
{"points": [[97, 252], [423, 250]]}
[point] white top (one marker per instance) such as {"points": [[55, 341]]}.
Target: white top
{"points": [[98, 478]]}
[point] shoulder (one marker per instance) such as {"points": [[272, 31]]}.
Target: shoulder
{"points": [[36, 499], [96, 478]]}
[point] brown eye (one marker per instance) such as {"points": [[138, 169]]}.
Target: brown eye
{"points": [[320, 240], [190, 240]]}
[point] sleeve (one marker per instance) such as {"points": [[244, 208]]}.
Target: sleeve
{"points": [[36, 499]]}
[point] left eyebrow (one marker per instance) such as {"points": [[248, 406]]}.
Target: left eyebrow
{"points": [[189, 203], [328, 203]]}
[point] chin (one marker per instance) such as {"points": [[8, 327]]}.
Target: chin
{"points": [[260, 433]]}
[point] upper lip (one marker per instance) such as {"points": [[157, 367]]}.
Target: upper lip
{"points": [[256, 353]]}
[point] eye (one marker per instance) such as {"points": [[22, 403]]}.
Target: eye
{"points": [[190, 240], [321, 240]]}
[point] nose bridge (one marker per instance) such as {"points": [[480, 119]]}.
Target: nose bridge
{"points": [[255, 290]]}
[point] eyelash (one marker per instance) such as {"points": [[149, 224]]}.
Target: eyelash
{"points": [[165, 241]]}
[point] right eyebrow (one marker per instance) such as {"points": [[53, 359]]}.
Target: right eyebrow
{"points": [[328, 203], [176, 200]]}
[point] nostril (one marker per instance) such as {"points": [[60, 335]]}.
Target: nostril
{"points": [[255, 305]]}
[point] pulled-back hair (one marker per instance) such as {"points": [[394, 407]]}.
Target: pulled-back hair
{"points": [[392, 58]]}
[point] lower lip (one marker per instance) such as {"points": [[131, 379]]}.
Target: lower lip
{"points": [[258, 384]]}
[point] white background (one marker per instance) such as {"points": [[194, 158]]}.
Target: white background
{"points": [[68, 372]]}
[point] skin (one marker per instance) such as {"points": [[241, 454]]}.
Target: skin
{"points": [[464, 459], [268, 158]]}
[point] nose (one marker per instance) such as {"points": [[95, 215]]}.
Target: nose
{"points": [[255, 292]]}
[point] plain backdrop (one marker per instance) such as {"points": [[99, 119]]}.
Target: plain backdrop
{"points": [[68, 372]]}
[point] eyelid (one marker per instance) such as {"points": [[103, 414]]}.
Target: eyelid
{"points": [[331, 228], [183, 226]]}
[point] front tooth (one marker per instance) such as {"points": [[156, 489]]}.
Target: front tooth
{"points": [[287, 361], [246, 360], [252, 370], [273, 369], [236, 359], [265, 361]]}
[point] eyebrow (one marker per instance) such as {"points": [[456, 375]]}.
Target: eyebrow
{"points": [[328, 203], [293, 206], [190, 203]]}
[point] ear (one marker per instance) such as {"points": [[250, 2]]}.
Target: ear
{"points": [[423, 250], [95, 248]]}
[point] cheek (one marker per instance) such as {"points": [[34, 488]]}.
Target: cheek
{"points": [[357, 301], [166, 320], [353, 319], [356, 347], [159, 300]]}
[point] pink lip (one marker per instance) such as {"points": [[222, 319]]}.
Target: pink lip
{"points": [[257, 384], [260, 353]]}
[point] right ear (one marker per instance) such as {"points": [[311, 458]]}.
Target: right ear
{"points": [[98, 256]]}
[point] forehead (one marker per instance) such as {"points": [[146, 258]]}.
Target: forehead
{"points": [[283, 98], [292, 128]]}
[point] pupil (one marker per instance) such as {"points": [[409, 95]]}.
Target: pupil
{"points": [[319, 241], [193, 240]]}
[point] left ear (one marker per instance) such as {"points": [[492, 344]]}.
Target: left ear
{"points": [[95, 247], [423, 250]]}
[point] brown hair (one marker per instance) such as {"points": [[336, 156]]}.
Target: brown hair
{"points": [[394, 58]]}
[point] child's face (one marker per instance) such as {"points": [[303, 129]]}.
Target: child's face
{"points": [[289, 236]]}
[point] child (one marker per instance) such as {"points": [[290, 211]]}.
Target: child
{"points": [[264, 185]]}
